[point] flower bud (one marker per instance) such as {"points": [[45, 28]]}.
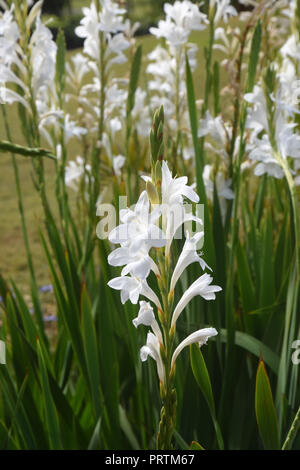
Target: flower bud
{"points": [[152, 193]]}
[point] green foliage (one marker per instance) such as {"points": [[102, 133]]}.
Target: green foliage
{"points": [[80, 384], [265, 410]]}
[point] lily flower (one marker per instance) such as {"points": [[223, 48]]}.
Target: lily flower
{"points": [[200, 287], [152, 349], [146, 317], [200, 336]]}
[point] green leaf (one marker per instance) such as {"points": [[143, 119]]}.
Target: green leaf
{"points": [[201, 375], [245, 280], [265, 410], [254, 346], [254, 56], [49, 405], [202, 378], [60, 61], [127, 429], [8, 147], [180, 441], [216, 88], [267, 286], [134, 79], [95, 440], [209, 244], [196, 446], [91, 350]]}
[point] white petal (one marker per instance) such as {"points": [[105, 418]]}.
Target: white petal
{"points": [[200, 337], [200, 287]]}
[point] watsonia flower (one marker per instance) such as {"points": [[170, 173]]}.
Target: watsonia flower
{"points": [[146, 235], [138, 234]]}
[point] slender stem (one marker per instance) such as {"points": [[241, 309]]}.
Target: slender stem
{"points": [[292, 432], [168, 393], [208, 82]]}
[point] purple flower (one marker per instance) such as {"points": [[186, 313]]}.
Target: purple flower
{"points": [[46, 288]]}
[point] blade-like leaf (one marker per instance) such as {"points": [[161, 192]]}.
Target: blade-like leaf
{"points": [[265, 410]]}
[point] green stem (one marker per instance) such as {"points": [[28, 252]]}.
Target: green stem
{"points": [[292, 432], [168, 393], [207, 82]]}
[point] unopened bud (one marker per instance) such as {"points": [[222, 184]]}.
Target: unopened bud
{"points": [[152, 193]]}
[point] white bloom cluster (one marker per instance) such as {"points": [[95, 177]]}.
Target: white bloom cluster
{"points": [[107, 35], [265, 142], [167, 66], [35, 79], [110, 21], [139, 233], [181, 19]]}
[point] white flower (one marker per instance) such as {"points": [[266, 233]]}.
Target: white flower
{"points": [[291, 49], [287, 143], [116, 45], [146, 317], [138, 226], [138, 263], [223, 187], [71, 129], [188, 256], [174, 189], [43, 56], [152, 349], [77, 69], [131, 288], [89, 30], [201, 337], [223, 10], [115, 125], [75, 171], [213, 127], [118, 163], [174, 213], [181, 19], [111, 19], [140, 113], [257, 118], [9, 35], [200, 287]]}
